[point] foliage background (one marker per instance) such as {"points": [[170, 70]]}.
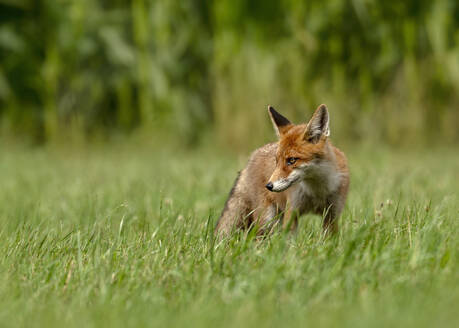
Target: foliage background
{"points": [[106, 223], [86, 69]]}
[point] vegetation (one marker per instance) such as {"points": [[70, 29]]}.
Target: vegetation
{"points": [[117, 238], [84, 68], [107, 213]]}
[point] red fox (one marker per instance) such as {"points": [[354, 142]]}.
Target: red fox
{"points": [[301, 173]]}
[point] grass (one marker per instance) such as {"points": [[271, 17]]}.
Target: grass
{"points": [[118, 237]]}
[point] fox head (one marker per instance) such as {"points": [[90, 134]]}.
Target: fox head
{"points": [[301, 149]]}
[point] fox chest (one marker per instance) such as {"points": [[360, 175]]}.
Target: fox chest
{"points": [[310, 196]]}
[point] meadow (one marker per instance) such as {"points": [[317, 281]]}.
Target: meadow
{"points": [[123, 125], [116, 236]]}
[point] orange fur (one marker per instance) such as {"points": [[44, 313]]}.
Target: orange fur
{"points": [[304, 155]]}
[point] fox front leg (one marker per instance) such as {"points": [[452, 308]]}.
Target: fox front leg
{"points": [[266, 219], [330, 222], [330, 225], [290, 219]]}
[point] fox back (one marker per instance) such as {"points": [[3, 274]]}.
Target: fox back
{"points": [[301, 173]]}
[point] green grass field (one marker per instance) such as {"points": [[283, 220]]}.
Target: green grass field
{"points": [[118, 237]]}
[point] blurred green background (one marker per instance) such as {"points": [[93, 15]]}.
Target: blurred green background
{"points": [[190, 70], [120, 122]]}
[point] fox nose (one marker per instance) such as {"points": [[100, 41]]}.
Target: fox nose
{"points": [[269, 186]]}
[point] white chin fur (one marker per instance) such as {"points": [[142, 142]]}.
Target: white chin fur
{"points": [[283, 184], [280, 185]]}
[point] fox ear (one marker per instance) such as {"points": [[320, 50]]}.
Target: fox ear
{"points": [[318, 126], [279, 121]]}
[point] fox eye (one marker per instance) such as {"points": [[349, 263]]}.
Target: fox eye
{"points": [[291, 160]]}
